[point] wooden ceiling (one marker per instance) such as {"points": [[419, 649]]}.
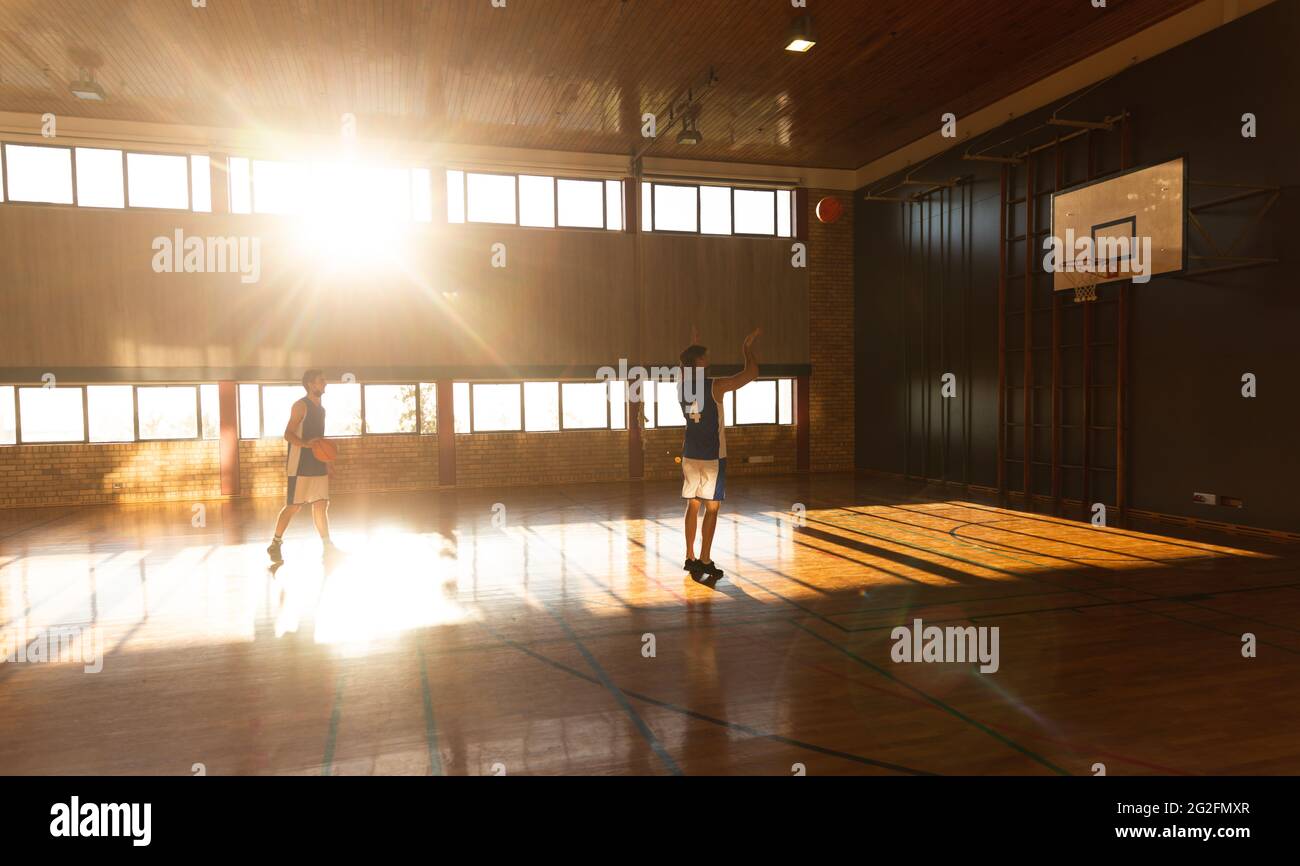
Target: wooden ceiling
{"points": [[570, 75]]}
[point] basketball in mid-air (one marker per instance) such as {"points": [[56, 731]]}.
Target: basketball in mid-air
{"points": [[325, 450], [829, 209]]}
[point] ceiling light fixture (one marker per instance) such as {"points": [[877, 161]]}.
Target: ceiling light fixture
{"points": [[87, 88], [801, 38], [689, 134]]}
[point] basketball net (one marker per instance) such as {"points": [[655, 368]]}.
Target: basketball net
{"points": [[1085, 282]]}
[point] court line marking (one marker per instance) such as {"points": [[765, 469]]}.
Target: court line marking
{"points": [[331, 737], [430, 724], [640, 723], [936, 702], [753, 732]]}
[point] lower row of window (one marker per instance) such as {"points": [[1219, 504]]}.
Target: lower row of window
{"points": [[128, 413]]}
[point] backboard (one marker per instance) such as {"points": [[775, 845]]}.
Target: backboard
{"points": [[1126, 226]]}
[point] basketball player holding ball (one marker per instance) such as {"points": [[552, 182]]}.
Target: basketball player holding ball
{"points": [[308, 466]]}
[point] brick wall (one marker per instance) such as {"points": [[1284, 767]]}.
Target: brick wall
{"points": [[830, 325], [369, 463], [85, 474], [663, 446], [506, 459]]}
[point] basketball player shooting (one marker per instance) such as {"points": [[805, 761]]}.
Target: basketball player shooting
{"points": [[704, 451], [308, 474]]}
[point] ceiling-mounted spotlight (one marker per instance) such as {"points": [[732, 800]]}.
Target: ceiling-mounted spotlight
{"points": [[87, 88], [689, 134], [801, 38]]}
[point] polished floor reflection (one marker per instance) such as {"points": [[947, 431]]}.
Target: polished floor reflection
{"points": [[551, 630]]}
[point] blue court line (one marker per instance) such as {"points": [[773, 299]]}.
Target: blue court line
{"points": [[938, 703], [640, 723], [430, 726], [744, 729], [331, 738]]}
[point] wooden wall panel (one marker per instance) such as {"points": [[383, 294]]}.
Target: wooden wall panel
{"points": [[726, 287], [81, 292]]}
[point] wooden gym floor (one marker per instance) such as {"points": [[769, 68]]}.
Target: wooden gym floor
{"points": [[445, 644]]}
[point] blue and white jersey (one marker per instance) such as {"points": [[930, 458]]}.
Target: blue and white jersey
{"points": [[706, 434], [301, 461]]}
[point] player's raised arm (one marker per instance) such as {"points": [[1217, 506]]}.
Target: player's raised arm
{"points": [[745, 376]]}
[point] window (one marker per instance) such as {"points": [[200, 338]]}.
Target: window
{"points": [[490, 198], [157, 180], [536, 201], [541, 406], [250, 411], [168, 412], [51, 415], [390, 408], [618, 405], [543, 201], [668, 411], [99, 177], [675, 208], [763, 401], [716, 210], [241, 185], [201, 183], [279, 187], [110, 412], [784, 212], [210, 411], [496, 407], [342, 404], [756, 403], [614, 205], [351, 409], [460, 406], [455, 196], [428, 408], [755, 211], [422, 195], [581, 203], [277, 404], [586, 405], [8, 416], [38, 174]]}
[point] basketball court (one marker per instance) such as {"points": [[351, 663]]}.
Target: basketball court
{"points": [[345, 422]]}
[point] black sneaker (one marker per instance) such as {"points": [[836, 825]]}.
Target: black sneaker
{"points": [[274, 552], [709, 568]]}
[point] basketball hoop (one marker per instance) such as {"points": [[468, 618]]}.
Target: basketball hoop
{"points": [[1085, 283]]}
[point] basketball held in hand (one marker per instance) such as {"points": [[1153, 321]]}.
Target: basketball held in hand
{"points": [[325, 450]]}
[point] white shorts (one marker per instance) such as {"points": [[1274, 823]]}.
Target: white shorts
{"points": [[703, 479], [307, 488]]}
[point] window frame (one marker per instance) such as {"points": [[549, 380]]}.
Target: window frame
{"points": [[559, 397], [555, 208], [187, 155], [731, 188], [731, 397], [198, 411], [189, 181], [419, 415], [72, 163], [135, 387]]}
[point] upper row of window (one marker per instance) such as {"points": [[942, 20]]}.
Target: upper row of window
{"points": [[101, 177], [128, 413], [108, 178], [543, 201]]}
